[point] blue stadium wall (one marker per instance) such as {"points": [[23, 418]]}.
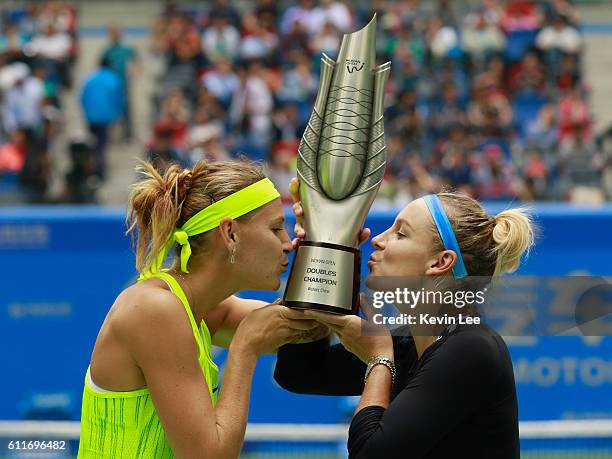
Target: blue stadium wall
{"points": [[62, 268]]}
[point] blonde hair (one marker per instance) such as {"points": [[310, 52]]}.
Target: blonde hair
{"points": [[490, 246], [161, 202]]}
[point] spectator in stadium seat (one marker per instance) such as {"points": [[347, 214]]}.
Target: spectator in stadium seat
{"points": [[521, 21], [405, 47], [123, 59], [295, 42], [489, 108], [569, 74], [542, 132], [493, 177], [221, 40], [447, 110], [441, 38], [299, 12], [54, 48], [250, 111], [281, 166], [162, 152], [267, 14], [299, 85], [205, 143], [456, 172], [287, 124], [174, 117], [257, 42], [527, 76], [221, 81], [225, 9], [480, 39], [23, 102], [559, 36], [13, 153], [12, 42], [103, 103], [492, 11], [334, 11], [520, 15], [208, 109], [535, 174], [564, 8], [574, 119], [327, 40]]}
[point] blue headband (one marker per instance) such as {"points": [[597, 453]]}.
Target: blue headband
{"points": [[446, 232]]}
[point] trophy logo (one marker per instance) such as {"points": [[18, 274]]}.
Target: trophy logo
{"points": [[341, 164], [354, 65]]}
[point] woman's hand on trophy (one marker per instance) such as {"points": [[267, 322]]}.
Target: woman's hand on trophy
{"points": [[360, 337], [265, 329], [294, 189], [314, 334]]}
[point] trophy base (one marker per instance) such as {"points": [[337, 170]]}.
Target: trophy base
{"points": [[325, 277], [321, 307]]}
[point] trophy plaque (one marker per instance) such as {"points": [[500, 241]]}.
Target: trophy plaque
{"points": [[341, 163]]}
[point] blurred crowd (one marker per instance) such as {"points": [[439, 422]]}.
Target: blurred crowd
{"points": [[38, 47], [485, 96]]}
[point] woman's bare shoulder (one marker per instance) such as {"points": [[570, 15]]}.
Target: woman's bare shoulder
{"points": [[146, 308]]}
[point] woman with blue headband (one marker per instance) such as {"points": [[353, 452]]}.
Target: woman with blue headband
{"points": [[152, 387], [437, 394]]}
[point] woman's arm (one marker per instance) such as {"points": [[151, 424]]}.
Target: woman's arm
{"points": [[446, 391], [318, 368], [162, 344], [231, 312], [324, 369]]}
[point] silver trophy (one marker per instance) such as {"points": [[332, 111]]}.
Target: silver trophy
{"points": [[341, 163]]}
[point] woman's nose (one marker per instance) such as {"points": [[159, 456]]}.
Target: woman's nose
{"points": [[287, 245], [378, 241]]}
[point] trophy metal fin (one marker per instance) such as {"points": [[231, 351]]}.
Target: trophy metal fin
{"points": [[377, 149], [309, 145]]}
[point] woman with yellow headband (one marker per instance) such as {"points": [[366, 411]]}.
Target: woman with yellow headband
{"points": [[151, 390]]}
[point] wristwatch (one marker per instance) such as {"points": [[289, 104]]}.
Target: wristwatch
{"points": [[380, 360]]}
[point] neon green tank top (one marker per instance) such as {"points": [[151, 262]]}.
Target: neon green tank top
{"points": [[125, 424]]}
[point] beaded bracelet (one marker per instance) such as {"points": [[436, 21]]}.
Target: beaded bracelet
{"points": [[380, 360]]}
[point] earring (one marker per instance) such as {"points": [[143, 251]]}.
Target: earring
{"points": [[233, 255]]}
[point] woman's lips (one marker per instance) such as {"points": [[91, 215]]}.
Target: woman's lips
{"points": [[372, 261]]}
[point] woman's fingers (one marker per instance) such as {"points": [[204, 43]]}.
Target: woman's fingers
{"points": [[364, 235], [295, 243], [303, 325], [326, 318], [294, 189], [297, 209], [293, 314], [366, 307], [299, 231]]}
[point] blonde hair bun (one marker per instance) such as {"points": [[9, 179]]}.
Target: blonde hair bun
{"points": [[514, 236]]}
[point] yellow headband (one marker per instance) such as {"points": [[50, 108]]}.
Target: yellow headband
{"points": [[233, 206]]}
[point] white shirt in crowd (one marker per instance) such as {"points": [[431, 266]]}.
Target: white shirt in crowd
{"points": [[255, 101], [56, 46], [221, 42], [22, 107], [443, 41], [337, 13], [566, 39]]}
